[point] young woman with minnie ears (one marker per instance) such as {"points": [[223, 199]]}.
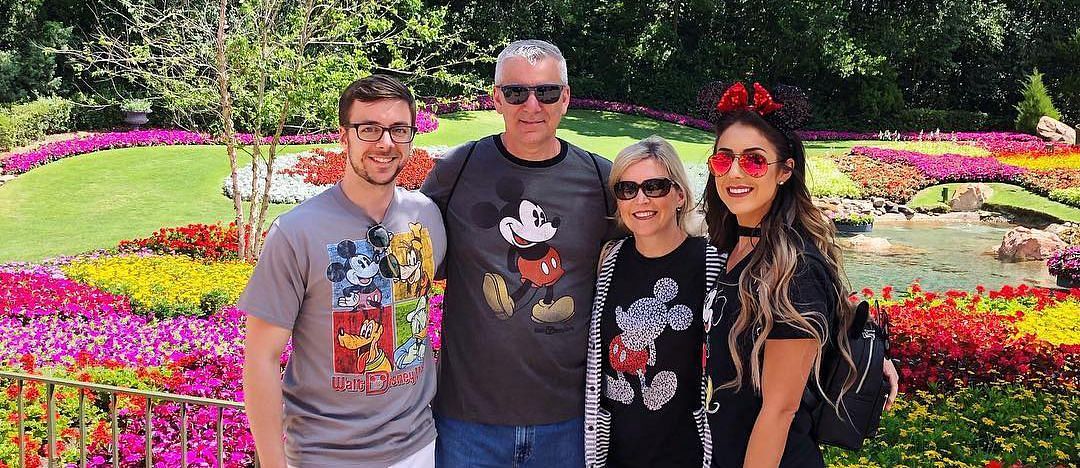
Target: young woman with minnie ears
{"points": [[780, 298]]}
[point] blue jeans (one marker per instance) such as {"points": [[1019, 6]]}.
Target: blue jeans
{"points": [[468, 444]]}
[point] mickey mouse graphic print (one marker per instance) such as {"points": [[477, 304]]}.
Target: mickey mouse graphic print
{"points": [[380, 294], [651, 332]]}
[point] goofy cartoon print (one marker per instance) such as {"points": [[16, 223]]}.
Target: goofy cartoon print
{"points": [[528, 229]]}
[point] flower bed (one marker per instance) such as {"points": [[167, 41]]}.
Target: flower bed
{"points": [[165, 286], [946, 167], [958, 339], [95, 326], [991, 426], [300, 176], [19, 163], [1057, 176], [205, 241], [876, 178]]}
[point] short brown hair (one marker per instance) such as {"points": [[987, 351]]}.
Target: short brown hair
{"points": [[374, 88]]}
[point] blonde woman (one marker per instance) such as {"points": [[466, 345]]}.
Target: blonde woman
{"points": [[644, 368]]}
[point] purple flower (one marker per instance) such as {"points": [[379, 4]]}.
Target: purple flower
{"points": [[947, 167]]}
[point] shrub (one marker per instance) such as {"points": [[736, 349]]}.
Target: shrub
{"points": [[940, 119], [1034, 105], [981, 426], [25, 123]]}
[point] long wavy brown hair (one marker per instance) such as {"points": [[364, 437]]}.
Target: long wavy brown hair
{"points": [[791, 221]]}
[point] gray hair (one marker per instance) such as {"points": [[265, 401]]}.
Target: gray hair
{"points": [[532, 50], [658, 149]]}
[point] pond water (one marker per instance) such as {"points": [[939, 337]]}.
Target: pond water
{"points": [[944, 256]]}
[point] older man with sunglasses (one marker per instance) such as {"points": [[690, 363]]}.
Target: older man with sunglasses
{"points": [[526, 215], [338, 277]]}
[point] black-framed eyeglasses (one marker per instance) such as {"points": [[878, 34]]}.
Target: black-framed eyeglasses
{"points": [[653, 188], [518, 94], [379, 238], [374, 132]]}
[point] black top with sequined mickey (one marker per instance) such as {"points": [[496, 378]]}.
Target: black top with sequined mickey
{"points": [[732, 413], [651, 333]]}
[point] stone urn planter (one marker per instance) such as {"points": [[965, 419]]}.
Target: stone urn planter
{"points": [[1065, 265], [854, 227], [135, 112], [135, 119], [854, 222], [1067, 282]]}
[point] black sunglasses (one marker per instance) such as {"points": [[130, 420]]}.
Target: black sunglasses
{"points": [[653, 188], [518, 94], [379, 238]]}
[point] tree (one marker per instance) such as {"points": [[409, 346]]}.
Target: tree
{"points": [[263, 65], [1034, 105]]}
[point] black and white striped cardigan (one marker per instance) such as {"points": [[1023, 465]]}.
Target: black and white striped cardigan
{"points": [[597, 420]]}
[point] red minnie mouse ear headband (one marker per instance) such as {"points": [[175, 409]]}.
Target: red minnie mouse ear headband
{"points": [[736, 98], [786, 107]]}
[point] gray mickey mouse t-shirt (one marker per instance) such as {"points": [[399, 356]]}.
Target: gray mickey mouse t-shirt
{"points": [[524, 240], [359, 383]]}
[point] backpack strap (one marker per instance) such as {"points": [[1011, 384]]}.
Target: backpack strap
{"points": [[608, 209], [460, 171]]}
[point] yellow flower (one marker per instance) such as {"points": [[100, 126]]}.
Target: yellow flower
{"points": [[167, 285]]}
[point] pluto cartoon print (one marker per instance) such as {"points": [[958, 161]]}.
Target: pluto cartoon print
{"points": [[528, 231], [380, 298]]}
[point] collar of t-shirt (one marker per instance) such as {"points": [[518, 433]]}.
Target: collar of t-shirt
{"points": [[339, 195], [563, 148]]}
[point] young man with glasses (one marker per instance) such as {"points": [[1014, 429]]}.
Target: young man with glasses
{"points": [[527, 214], [357, 388]]}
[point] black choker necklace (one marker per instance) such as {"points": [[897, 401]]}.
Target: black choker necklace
{"points": [[749, 231]]}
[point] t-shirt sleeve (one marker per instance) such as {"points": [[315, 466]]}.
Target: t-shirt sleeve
{"points": [[440, 180], [811, 293], [276, 289]]}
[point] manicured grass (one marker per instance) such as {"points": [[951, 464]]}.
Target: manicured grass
{"points": [[95, 200], [604, 133], [1005, 195]]}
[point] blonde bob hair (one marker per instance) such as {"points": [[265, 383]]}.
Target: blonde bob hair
{"points": [[662, 152]]}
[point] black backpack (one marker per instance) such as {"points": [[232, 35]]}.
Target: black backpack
{"points": [[860, 408]]}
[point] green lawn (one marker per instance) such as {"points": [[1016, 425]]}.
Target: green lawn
{"points": [[1005, 195], [604, 133], [96, 200]]}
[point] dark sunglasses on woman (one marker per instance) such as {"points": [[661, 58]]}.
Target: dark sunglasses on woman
{"points": [[653, 188], [752, 164], [518, 94]]}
